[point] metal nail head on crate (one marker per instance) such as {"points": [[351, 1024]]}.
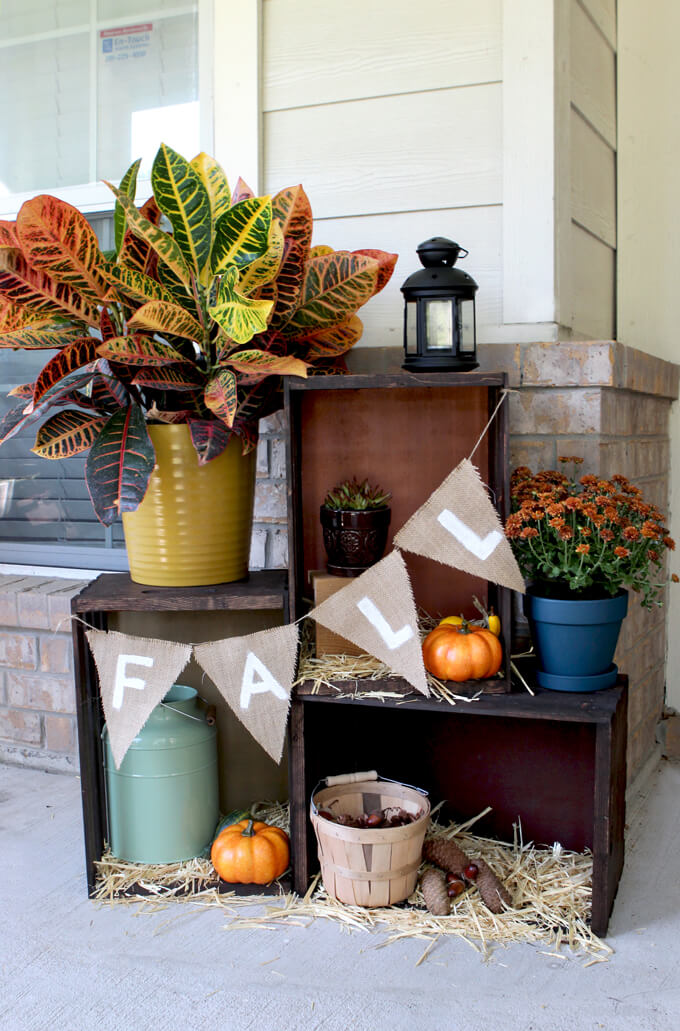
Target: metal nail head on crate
{"points": [[373, 866]]}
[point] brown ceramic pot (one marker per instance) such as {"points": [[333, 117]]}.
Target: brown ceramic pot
{"points": [[354, 540]]}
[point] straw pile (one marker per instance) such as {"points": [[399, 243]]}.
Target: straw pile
{"points": [[551, 891]]}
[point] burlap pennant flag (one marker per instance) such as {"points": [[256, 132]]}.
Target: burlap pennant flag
{"points": [[459, 527], [377, 612], [134, 675], [254, 674]]}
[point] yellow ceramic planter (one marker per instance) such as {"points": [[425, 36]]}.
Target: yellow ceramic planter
{"points": [[194, 525]]}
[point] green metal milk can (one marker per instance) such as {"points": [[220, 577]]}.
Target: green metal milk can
{"points": [[163, 801]]}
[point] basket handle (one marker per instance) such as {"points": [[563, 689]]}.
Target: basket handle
{"points": [[351, 778]]}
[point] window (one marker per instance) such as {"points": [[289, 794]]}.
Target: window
{"points": [[89, 86]]}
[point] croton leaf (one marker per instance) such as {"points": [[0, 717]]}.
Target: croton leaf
{"points": [[335, 286], [241, 192], [330, 341], [23, 390], [40, 295], [167, 318], [248, 433], [136, 284], [106, 326], [240, 317], [319, 250], [242, 234], [215, 182], [183, 198], [255, 362], [82, 352], [386, 262], [58, 240], [264, 269], [289, 282], [169, 377], [13, 421], [128, 186], [120, 464], [39, 336], [135, 252], [220, 396], [164, 245], [138, 350], [105, 390], [8, 235], [293, 211], [66, 434], [209, 437]]}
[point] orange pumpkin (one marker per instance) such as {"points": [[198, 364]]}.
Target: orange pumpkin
{"points": [[250, 852], [463, 652]]}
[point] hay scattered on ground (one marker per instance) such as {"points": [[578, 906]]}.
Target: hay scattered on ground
{"points": [[551, 891]]}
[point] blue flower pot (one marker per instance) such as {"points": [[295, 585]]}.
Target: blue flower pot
{"points": [[575, 639]]}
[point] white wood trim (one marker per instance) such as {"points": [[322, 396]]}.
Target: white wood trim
{"points": [[562, 144], [593, 74], [237, 89], [603, 13], [593, 181], [529, 273], [206, 73]]}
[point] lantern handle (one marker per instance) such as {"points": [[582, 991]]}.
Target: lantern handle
{"points": [[462, 253]]}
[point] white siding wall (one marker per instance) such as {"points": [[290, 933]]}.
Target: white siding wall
{"points": [[390, 114], [396, 118]]}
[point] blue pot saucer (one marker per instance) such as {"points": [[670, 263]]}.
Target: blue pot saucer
{"points": [[555, 682]]}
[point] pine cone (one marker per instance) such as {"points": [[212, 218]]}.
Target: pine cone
{"points": [[491, 889], [445, 854], [433, 887]]}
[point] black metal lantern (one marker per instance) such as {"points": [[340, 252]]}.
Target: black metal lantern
{"points": [[440, 332]]}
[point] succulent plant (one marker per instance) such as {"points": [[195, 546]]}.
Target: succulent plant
{"points": [[356, 497]]}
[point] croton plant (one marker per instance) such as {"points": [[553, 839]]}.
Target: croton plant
{"points": [[210, 297]]}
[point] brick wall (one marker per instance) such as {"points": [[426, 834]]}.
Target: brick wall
{"points": [[605, 402]]}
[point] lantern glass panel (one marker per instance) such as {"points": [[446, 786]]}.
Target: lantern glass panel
{"points": [[438, 325], [411, 317], [466, 327]]}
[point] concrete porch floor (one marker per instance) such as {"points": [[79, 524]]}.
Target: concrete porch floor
{"points": [[69, 965]]}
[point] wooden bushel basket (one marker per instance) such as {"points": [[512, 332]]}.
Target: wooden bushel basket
{"points": [[373, 866]]}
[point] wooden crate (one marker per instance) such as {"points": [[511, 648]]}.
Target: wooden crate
{"points": [[407, 432]]}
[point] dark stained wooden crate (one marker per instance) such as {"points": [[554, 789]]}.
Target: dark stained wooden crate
{"points": [[407, 432], [556, 762], [115, 593]]}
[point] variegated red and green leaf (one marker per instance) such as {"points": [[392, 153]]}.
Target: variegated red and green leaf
{"points": [[330, 341], [120, 464], [335, 286], [170, 377], [164, 245], [39, 295], [135, 284], [24, 390], [320, 250], [289, 283], [220, 396], [57, 240], [183, 199], [13, 421], [106, 326], [39, 336], [215, 182], [8, 235], [167, 318], [104, 390], [241, 192], [66, 434], [82, 352], [248, 433], [138, 350], [209, 437], [242, 234], [386, 262], [291, 208], [128, 186], [258, 363], [264, 269], [135, 252], [240, 317]]}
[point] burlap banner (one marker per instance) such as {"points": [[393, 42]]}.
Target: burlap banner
{"points": [[376, 611], [134, 675], [254, 675], [459, 527]]}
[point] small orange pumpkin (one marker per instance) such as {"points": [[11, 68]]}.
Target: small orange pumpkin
{"points": [[462, 652], [250, 852]]}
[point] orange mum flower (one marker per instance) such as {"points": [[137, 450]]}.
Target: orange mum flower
{"points": [[585, 531], [631, 533], [621, 552], [670, 543], [565, 532], [582, 549], [606, 535], [529, 531], [650, 530]]}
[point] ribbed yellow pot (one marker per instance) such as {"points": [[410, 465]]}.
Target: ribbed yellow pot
{"points": [[194, 525]]}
